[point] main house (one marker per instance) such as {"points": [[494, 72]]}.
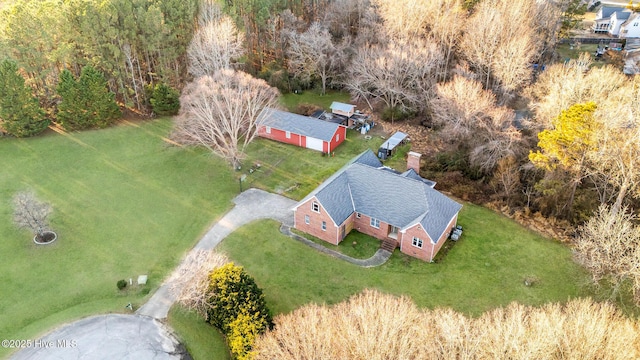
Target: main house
{"points": [[399, 208], [301, 130]]}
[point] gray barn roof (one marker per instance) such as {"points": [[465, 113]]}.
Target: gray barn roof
{"points": [[299, 124], [400, 200]]}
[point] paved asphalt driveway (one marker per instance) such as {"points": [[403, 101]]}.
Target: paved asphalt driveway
{"points": [[142, 336], [112, 336]]}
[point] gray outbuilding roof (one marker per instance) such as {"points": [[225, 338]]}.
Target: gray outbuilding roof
{"points": [[394, 140], [397, 199], [342, 107], [298, 124]]}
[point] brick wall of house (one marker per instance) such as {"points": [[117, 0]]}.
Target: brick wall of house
{"points": [[407, 247], [428, 250], [314, 227], [363, 225]]}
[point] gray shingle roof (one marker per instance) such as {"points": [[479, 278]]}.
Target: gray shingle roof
{"points": [[299, 124], [607, 11], [397, 199], [622, 15]]}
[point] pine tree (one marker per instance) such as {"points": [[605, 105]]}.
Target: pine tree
{"points": [[86, 102], [70, 114], [99, 101], [165, 100], [20, 111]]}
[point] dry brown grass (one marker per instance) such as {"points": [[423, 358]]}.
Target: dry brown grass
{"points": [[373, 325]]}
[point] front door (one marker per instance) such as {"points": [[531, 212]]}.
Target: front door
{"points": [[393, 232], [342, 232]]}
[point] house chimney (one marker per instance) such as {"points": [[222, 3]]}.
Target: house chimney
{"points": [[413, 161]]}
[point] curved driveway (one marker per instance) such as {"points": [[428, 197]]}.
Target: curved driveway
{"points": [[253, 204]]}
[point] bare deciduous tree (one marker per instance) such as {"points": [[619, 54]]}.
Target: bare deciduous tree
{"points": [[617, 157], [562, 85], [500, 42], [374, 326], [190, 282], [221, 112], [609, 247], [441, 20], [400, 74], [312, 54], [469, 115], [30, 213], [215, 44]]}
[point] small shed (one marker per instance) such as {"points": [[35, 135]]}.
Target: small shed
{"points": [[389, 147], [343, 109]]}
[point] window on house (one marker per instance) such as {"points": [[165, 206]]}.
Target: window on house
{"points": [[306, 219], [417, 242], [315, 207], [324, 225], [375, 223], [337, 137], [268, 130], [358, 215], [288, 134]]}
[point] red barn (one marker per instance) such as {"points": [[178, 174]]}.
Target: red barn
{"points": [[301, 130]]}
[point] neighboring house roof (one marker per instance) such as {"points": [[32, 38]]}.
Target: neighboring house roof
{"points": [[607, 11], [342, 106], [621, 15], [299, 124], [397, 199]]}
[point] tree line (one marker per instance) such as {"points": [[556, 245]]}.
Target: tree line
{"points": [[134, 44]]}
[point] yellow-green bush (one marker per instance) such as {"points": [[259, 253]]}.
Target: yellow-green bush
{"points": [[237, 307]]}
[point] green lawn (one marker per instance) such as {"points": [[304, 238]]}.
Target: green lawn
{"points": [[291, 100], [294, 171], [356, 245], [202, 340], [484, 270], [125, 203], [566, 52]]}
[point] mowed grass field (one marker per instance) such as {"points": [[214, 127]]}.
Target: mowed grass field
{"points": [[125, 203], [484, 270]]}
